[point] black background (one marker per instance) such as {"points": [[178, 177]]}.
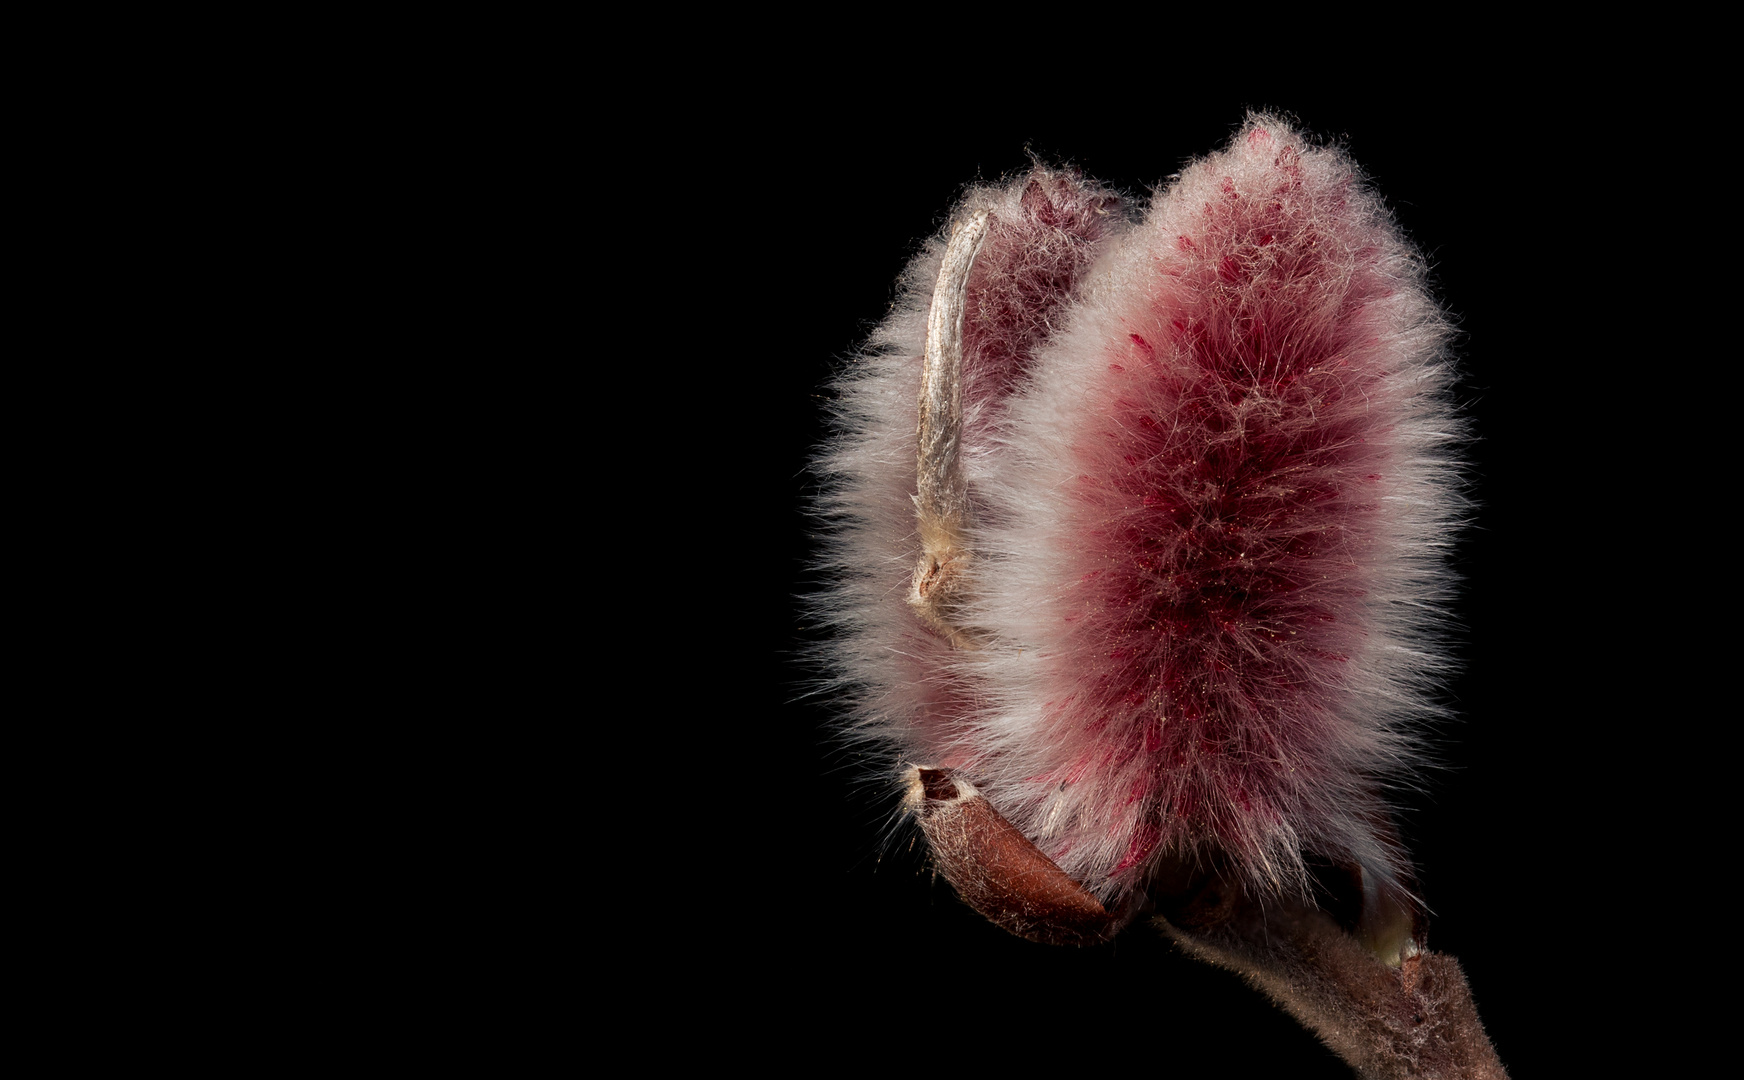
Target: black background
{"points": [[809, 194]]}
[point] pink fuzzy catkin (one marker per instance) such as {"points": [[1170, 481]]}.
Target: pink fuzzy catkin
{"points": [[1208, 460]]}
